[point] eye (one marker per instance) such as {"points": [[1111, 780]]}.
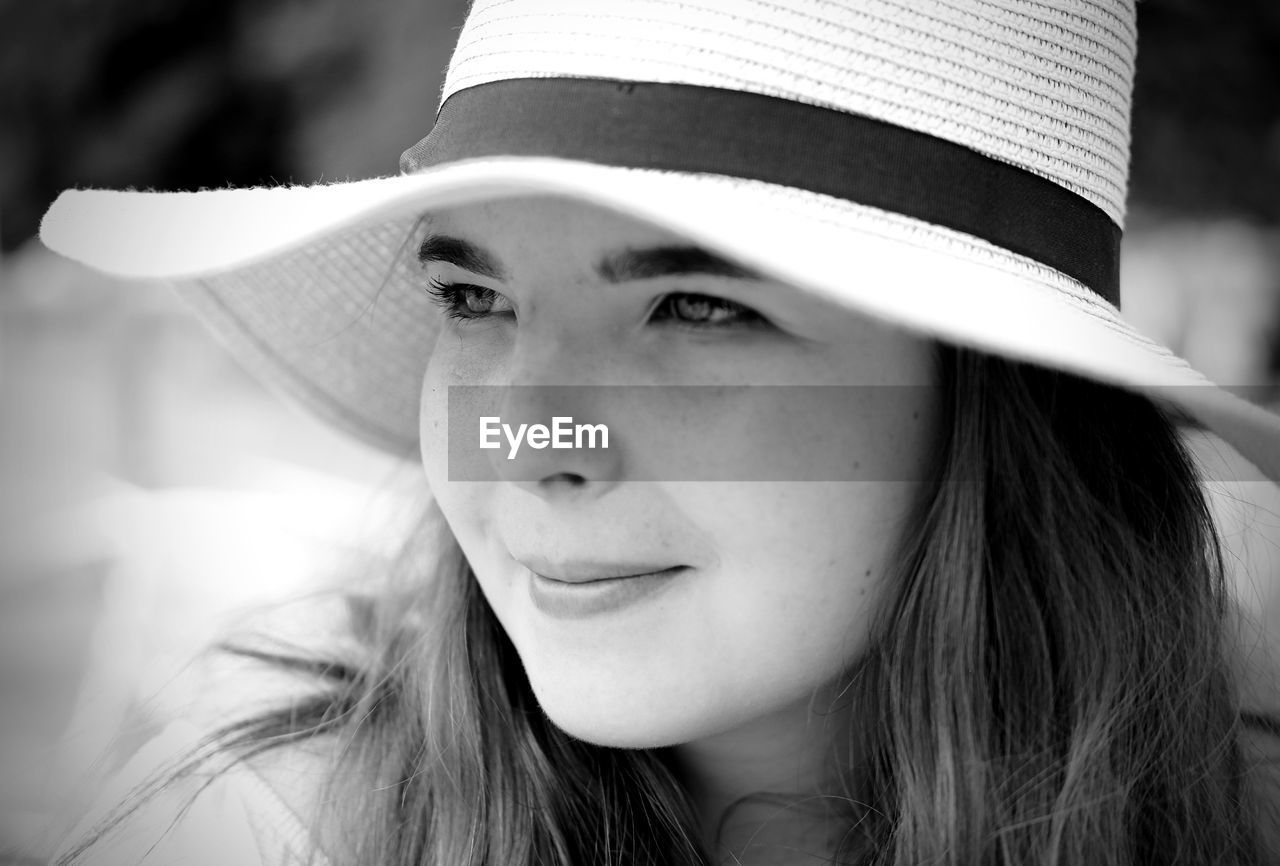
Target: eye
{"points": [[465, 302], [703, 311]]}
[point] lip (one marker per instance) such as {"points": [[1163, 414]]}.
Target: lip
{"points": [[597, 596], [591, 571]]}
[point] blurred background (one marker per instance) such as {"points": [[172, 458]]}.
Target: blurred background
{"points": [[151, 492]]}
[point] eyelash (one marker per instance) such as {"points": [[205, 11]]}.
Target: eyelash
{"points": [[739, 314], [452, 299]]}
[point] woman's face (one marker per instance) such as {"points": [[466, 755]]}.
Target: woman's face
{"points": [[721, 560]]}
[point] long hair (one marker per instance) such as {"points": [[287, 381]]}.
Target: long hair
{"points": [[1047, 681], [1050, 682]]}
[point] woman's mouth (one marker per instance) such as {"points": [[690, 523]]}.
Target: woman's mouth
{"points": [[580, 590]]}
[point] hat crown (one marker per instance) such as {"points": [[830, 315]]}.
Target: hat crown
{"points": [[1043, 85]]}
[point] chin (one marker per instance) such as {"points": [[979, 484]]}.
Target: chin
{"points": [[631, 721], [615, 733]]}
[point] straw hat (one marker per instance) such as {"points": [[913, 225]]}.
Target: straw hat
{"points": [[958, 167]]}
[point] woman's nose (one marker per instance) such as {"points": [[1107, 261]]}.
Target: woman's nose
{"points": [[552, 425]]}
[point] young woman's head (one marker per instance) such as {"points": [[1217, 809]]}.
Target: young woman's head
{"points": [[756, 592]]}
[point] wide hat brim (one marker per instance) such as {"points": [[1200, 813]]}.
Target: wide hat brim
{"points": [[317, 289]]}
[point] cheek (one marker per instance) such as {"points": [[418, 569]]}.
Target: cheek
{"points": [[812, 434], [462, 503], [457, 378], [433, 426], [802, 570]]}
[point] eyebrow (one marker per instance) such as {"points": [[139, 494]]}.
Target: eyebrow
{"points": [[638, 263], [668, 261], [460, 253]]}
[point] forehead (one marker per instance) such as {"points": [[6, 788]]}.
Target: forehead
{"points": [[547, 232]]}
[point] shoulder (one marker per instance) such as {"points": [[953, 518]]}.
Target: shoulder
{"points": [[256, 813]]}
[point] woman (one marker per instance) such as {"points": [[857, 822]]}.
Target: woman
{"points": [[894, 553]]}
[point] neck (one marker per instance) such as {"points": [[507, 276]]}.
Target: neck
{"points": [[764, 789]]}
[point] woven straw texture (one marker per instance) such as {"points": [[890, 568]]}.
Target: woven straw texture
{"points": [[1045, 86]]}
